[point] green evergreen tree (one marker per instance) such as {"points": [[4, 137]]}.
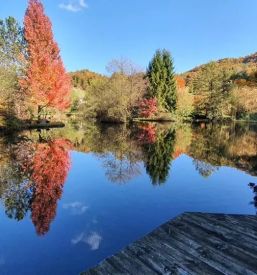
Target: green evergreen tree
{"points": [[170, 91], [160, 73]]}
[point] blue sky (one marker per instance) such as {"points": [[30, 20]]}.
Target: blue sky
{"points": [[92, 32]]}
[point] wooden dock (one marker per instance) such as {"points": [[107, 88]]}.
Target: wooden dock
{"points": [[192, 243]]}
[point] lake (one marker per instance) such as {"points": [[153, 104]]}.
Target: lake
{"points": [[71, 197]]}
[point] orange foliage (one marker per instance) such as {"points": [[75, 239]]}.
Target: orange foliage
{"points": [[46, 80], [49, 168], [181, 83], [177, 153]]}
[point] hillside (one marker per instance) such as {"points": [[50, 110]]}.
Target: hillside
{"points": [[238, 65], [83, 78]]}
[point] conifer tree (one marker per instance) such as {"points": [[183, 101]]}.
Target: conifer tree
{"points": [[170, 91], [160, 73]]}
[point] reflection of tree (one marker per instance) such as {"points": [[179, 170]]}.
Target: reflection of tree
{"points": [[48, 168], [254, 202], [13, 192], [230, 145], [120, 170], [32, 174], [18, 203], [158, 156], [205, 169], [148, 133], [119, 154]]}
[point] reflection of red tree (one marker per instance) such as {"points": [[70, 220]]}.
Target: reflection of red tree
{"points": [[148, 133], [49, 167]]}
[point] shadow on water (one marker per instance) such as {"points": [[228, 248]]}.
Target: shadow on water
{"points": [[35, 164]]}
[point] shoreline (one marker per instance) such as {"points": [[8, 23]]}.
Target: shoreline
{"points": [[33, 126]]}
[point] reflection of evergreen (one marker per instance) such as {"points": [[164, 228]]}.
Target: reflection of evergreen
{"points": [[254, 202], [158, 156]]}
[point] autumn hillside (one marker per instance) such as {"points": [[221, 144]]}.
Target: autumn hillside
{"points": [[83, 78], [247, 63]]}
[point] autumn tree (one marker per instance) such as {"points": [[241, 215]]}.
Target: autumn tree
{"points": [[133, 83], [115, 98], [162, 82], [181, 83], [185, 101], [244, 100], [212, 90], [46, 81]]}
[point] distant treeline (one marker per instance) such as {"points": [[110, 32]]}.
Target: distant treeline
{"points": [[225, 89]]}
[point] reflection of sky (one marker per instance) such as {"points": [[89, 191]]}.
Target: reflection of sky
{"points": [[2, 261], [93, 240], [82, 236], [75, 208]]}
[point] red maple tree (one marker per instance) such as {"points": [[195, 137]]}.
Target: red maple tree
{"points": [[46, 81], [147, 107], [48, 166]]}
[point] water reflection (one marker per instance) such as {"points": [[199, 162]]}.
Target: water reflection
{"points": [[253, 186], [93, 240], [33, 173], [34, 165]]}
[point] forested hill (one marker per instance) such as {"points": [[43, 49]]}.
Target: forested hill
{"points": [[240, 63], [82, 79]]}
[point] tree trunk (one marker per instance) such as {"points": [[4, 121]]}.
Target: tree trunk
{"points": [[39, 109]]}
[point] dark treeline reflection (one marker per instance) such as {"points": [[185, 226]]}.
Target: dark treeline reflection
{"points": [[34, 165]]}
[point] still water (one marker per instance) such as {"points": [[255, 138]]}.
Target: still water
{"points": [[72, 197]]}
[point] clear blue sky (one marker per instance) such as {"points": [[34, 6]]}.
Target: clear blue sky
{"points": [[194, 31]]}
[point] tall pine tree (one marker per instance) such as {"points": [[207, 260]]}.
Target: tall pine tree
{"points": [[160, 73]]}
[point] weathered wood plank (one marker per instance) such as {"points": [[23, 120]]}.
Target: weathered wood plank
{"points": [[157, 260], [219, 230], [216, 251], [192, 243], [191, 247], [132, 264], [240, 223], [181, 257]]}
